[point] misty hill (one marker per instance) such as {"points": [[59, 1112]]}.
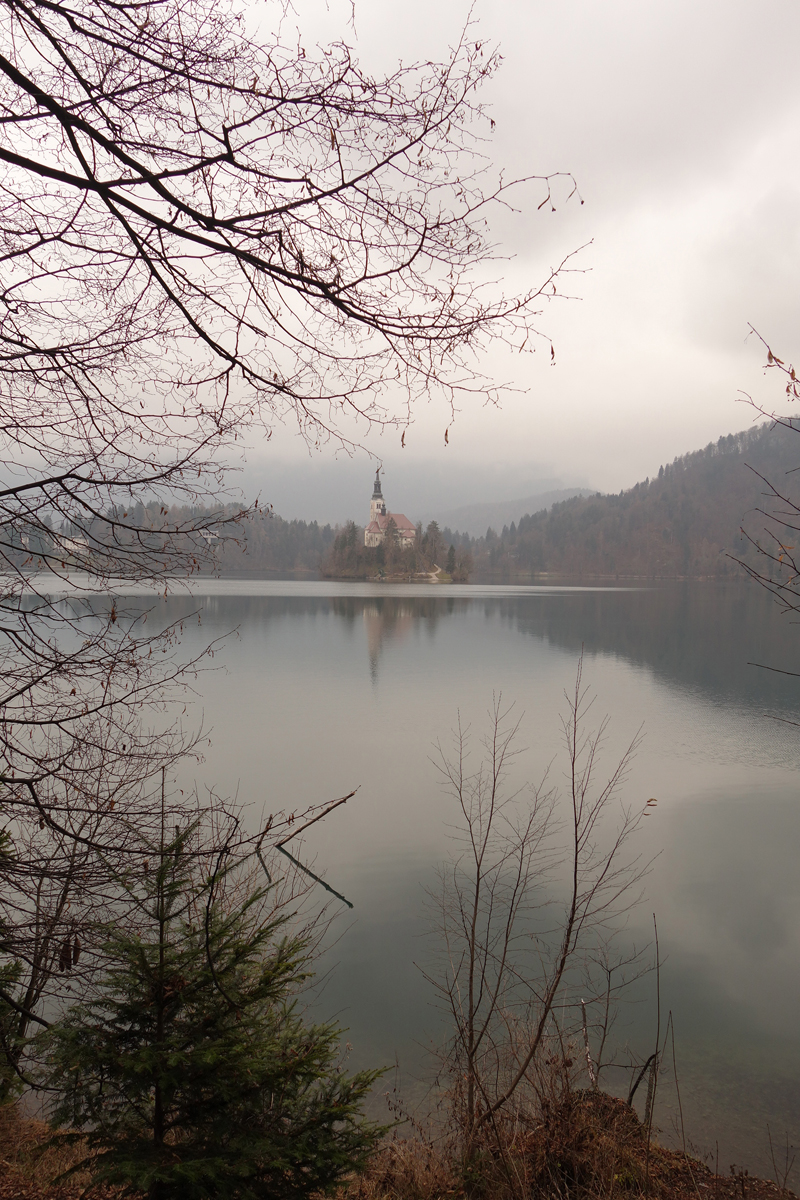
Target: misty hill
{"points": [[475, 519], [684, 523]]}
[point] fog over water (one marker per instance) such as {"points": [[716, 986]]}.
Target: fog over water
{"points": [[328, 687]]}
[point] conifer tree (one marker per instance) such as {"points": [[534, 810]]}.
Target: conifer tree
{"points": [[190, 1068]]}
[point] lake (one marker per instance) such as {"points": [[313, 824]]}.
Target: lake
{"points": [[328, 687]]}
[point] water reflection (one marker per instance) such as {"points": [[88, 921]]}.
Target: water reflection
{"points": [[325, 691], [389, 619], [697, 636], [383, 622], [727, 893]]}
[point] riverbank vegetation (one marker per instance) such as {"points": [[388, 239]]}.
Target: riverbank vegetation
{"points": [[183, 1065], [186, 1064], [588, 1146]]}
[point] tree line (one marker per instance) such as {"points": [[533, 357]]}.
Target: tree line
{"points": [[704, 515], [228, 539]]}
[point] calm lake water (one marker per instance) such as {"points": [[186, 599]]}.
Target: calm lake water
{"points": [[328, 687]]}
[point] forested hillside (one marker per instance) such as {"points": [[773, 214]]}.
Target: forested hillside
{"points": [[684, 523], [269, 543]]}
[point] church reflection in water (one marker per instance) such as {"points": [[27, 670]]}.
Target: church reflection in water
{"points": [[382, 625], [391, 619]]}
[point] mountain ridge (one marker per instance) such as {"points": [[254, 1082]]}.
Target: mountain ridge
{"points": [[698, 518], [475, 519]]}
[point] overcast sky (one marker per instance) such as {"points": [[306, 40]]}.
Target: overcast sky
{"points": [[680, 122]]}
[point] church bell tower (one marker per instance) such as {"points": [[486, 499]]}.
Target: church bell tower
{"points": [[377, 506]]}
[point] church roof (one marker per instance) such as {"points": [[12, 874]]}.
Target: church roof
{"points": [[380, 524]]}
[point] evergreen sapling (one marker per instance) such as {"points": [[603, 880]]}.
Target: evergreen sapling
{"points": [[189, 1069]]}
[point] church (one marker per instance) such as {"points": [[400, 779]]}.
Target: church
{"points": [[379, 519]]}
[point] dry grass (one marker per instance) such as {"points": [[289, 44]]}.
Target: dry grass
{"points": [[28, 1165], [582, 1146], [407, 1169]]}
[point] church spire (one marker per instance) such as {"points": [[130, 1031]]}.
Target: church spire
{"points": [[377, 506]]}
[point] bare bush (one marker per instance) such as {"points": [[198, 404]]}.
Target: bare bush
{"points": [[528, 903]]}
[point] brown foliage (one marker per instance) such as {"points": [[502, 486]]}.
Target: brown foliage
{"points": [[577, 1145], [28, 1165]]}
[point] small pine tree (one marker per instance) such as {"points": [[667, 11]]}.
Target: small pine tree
{"points": [[189, 1067]]}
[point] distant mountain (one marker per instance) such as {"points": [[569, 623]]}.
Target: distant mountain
{"points": [[475, 519], [686, 523]]}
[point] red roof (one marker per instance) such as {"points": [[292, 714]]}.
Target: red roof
{"points": [[404, 526]]}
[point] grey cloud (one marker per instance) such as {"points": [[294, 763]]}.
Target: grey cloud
{"points": [[677, 120], [750, 274]]}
